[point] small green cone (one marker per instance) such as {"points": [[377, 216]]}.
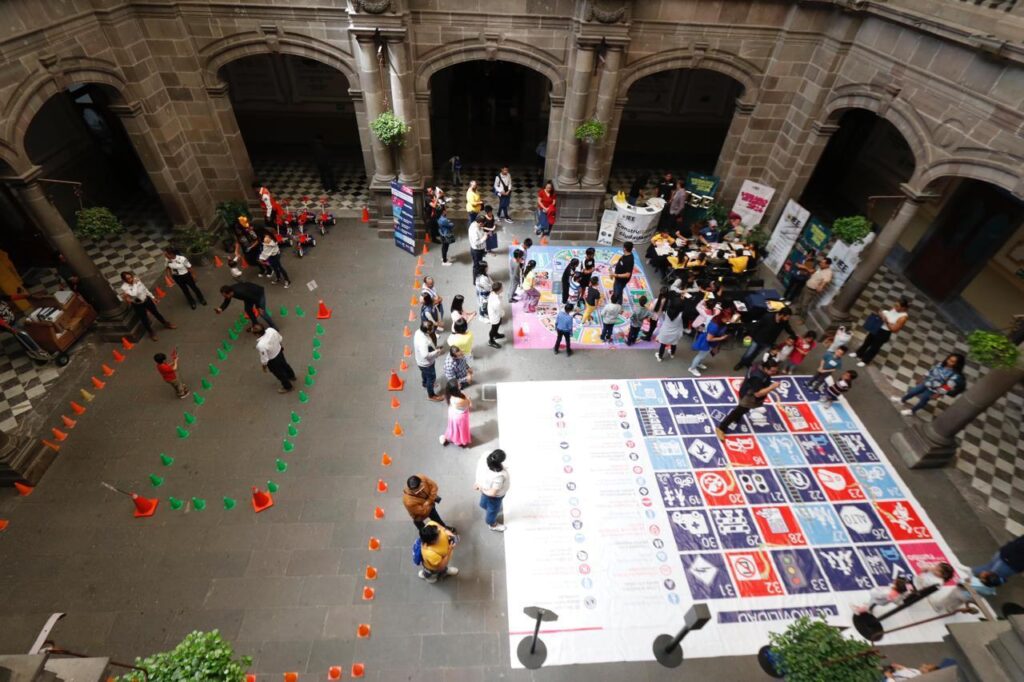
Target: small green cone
{"points": [[316, 342], [190, 418], [232, 334], [284, 311], [311, 371], [156, 480], [213, 370], [303, 398], [182, 433], [226, 346], [272, 487], [198, 503], [299, 312], [292, 431], [296, 419], [229, 503], [165, 460], [221, 355], [176, 503], [288, 446], [198, 399], [282, 465], [316, 355], [309, 381], [319, 329], [205, 383]]}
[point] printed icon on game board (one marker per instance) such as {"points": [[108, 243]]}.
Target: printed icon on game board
{"points": [[800, 485], [744, 451], [799, 571], [754, 575], [705, 453], [884, 563], [759, 486], [719, 488], [861, 523], [799, 417], [843, 569], [838, 483], [691, 531], [781, 450], [903, 521], [778, 526], [707, 577]]}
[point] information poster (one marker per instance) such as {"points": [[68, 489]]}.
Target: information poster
{"points": [[403, 210], [700, 194], [845, 258], [625, 509], [606, 230], [787, 231], [814, 237], [752, 202]]}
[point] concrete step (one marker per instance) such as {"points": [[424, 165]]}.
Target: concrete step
{"points": [[21, 667], [79, 669], [1017, 623], [977, 663], [1010, 650]]}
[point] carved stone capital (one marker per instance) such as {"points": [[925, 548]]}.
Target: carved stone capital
{"points": [[374, 6]]}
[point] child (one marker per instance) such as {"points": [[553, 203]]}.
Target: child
{"points": [[636, 320], [802, 347], [609, 316], [574, 289], [236, 271], [984, 584], [169, 372], [785, 350], [841, 337], [834, 390], [832, 360], [527, 243], [931, 575]]}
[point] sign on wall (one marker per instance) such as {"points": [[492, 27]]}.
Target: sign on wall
{"points": [[700, 194], [403, 210], [787, 231], [814, 237], [752, 202]]}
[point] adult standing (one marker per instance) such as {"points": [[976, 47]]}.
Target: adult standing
{"points": [[430, 213], [546, 203], [623, 270], [753, 392], [670, 330], [1007, 562], [477, 240], [446, 233], [563, 329], [462, 339], [431, 312], [429, 288], [636, 190], [474, 202], [798, 277], [676, 207], [180, 270], [567, 277], [271, 349], [709, 340], [436, 547], [764, 333], [136, 294], [483, 284], [945, 378], [490, 229], [503, 190], [492, 481], [494, 314], [515, 275], [457, 312], [420, 499], [456, 368], [271, 255], [665, 189], [458, 416], [427, 350], [887, 323], [271, 209], [816, 285], [253, 298], [531, 296]]}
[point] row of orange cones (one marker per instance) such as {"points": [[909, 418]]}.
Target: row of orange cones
{"points": [[335, 671]]}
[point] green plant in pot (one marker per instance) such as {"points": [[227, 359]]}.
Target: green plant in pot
{"points": [[851, 229], [591, 130], [811, 650], [992, 349], [200, 656], [389, 129], [97, 222], [758, 238], [194, 242]]}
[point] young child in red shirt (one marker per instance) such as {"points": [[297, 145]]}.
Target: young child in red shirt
{"points": [[169, 372], [803, 346]]}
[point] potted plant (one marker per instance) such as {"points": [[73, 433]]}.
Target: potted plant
{"points": [[200, 656], [390, 129], [97, 223], [194, 242], [814, 651], [230, 210], [757, 238], [591, 130], [992, 349], [851, 229]]}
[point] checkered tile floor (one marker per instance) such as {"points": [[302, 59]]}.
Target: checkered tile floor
{"points": [[988, 447]]}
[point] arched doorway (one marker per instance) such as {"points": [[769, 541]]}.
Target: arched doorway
{"points": [[298, 122], [674, 120]]}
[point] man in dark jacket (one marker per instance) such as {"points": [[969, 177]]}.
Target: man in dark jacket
{"points": [[764, 333], [753, 392], [253, 298], [419, 498], [1007, 562]]}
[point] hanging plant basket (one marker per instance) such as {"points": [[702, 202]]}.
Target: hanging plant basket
{"points": [[390, 129], [591, 130], [851, 229], [992, 349], [97, 223]]}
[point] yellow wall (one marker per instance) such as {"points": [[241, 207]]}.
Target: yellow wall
{"points": [[996, 292]]}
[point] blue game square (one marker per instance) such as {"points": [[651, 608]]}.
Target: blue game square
{"points": [[718, 413], [705, 452], [861, 522], [735, 527], [835, 417], [844, 569], [692, 530], [799, 571], [818, 449], [759, 486], [878, 484], [821, 524], [678, 489], [809, 394], [681, 391], [884, 563], [646, 393], [692, 421], [666, 453], [800, 485], [854, 447], [707, 576], [656, 421], [766, 419], [788, 391], [715, 392], [781, 450]]}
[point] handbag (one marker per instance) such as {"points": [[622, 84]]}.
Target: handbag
{"points": [[492, 241], [873, 323]]}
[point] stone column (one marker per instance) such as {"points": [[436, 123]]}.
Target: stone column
{"points": [[404, 105], [799, 175], [575, 112], [934, 445], [729, 168], [871, 261], [244, 176], [373, 99], [599, 151]]}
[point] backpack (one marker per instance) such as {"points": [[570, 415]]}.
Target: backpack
{"points": [[417, 553]]}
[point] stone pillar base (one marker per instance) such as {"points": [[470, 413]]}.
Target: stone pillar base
{"points": [[111, 326], [921, 449], [23, 459], [579, 214]]}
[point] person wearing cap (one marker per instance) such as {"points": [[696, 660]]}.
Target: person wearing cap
{"points": [[736, 229], [708, 232]]}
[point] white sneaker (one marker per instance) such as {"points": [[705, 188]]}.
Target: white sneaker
{"points": [[853, 354], [894, 398], [671, 355], [907, 413], [497, 528], [860, 364], [452, 571], [287, 284], [694, 372], [702, 366], [508, 220], [658, 357], [442, 440], [447, 263], [430, 579]]}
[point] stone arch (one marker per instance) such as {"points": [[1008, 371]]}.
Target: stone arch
{"points": [[232, 48], [742, 71], [985, 168], [469, 51]]}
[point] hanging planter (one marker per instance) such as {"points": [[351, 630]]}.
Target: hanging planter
{"points": [[390, 129], [992, 349], [591, 131], [851, 229], [97, 223]]}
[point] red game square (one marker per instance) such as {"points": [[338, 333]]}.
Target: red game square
{"points": [[753, 573], [779, 527], [838, 483], [736, 382], [921, 554], [902, 520], [719, 488], [744, 451], [799, 417]]}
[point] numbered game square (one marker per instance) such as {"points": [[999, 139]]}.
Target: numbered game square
{"points": [[759, 486], [735, 528], [838, 483], [754, 574], [903, 521], [719, 488], [681, 392], [705, 453], [800, 484], [692, 530], [818, 449], [821, 524], [861, 522], [707, 576], [715, 392], [678, 489], [884, 563], [844, 569], [799, 418], [781, 450], [799, 571], [779, 527], [744, 451]]}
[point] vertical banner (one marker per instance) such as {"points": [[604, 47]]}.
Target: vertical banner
{"points": [[814, 237], [403, 210], [606, 231], [786, 232], [845, 258], [752, 202], [700, 193]]}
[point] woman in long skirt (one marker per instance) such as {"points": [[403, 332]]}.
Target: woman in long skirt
{"points": [[458, 416]]}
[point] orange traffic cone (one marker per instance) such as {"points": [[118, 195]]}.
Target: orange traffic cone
{"points": [[412, 316], [544, 240], [144, 506], [59, 435], [426, 238], [108, 371], [363, 631], [395, 382], [69, 423], [366, 214], [373, 545], [515, 242], [378, 513], [261, 500], [425, 249], [395, 404], [371, 573], [406, 333], [250, 677], [168, 281], [23, 489], [385, 460], [76, 408], [419, 271], [358, 670], [291, 677], [334, 672], [403, 365], [52, 446], [406, 352], [98, 384], [3, 524], [368, 593], [520, 333], [126, 344], [323, 312], [416, 286], [413, 300], [398, 430], [382, 485], [419, 261], [217, 262], [118, 355], [160, 293]]}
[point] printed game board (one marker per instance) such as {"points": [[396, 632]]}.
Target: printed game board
{"points": [[539, 327], [625, 509]]}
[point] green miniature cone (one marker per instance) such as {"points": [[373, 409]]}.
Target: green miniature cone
{"points": [[299, 312], [198, 503], [296, 419], [198, 399], [311, 371], [213, 370], [316, 355], [232, 334], [288, 446], [303, 398], [221, 355], [182, 433], [229, 503], [309, 381], [316, 342], [205, 383], [282, 465], [272, 487], [190, 418], [165, 460], [226, 346], [284, 311], [319, 329], [292, 431], [156, 480], [176, 503]]}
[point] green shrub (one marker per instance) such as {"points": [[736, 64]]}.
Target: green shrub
{"points": [[200, 656], [390, 129], [97, 222], [230, 210], [851, 229], [194, 242], [992, 349], [591, 130], [814, 651]]}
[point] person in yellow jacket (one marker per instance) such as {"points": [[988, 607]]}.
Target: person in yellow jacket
{"points": [[436, 547], [474, 202]]}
